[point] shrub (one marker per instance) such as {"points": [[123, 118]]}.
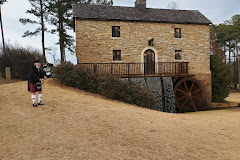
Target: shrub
{"points": [[19, 59], [106, 86], [221, 79], [64, 74]]}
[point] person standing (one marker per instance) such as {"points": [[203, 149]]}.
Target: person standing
{"points": [[35, 77]]}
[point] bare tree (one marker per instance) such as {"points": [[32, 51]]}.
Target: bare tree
{"points": [[173, 5], [52, 52]]}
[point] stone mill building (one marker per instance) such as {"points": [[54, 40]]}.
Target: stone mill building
{"points": [[158, 42]]}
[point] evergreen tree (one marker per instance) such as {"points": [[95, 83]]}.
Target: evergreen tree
{"points": [[215, 47], [60, 15], [236, 28], [225, 37], [228, 35], [38, 10], [221, 79]]}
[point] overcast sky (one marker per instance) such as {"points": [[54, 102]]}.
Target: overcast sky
{"points": [[215, 10]]}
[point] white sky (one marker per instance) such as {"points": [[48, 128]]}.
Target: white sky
{"points": [[215, 10]]}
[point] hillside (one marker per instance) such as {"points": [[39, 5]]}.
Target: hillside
{"points": [[78, 125]]}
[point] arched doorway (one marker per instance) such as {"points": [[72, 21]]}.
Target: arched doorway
{"points": [[149, 62]]}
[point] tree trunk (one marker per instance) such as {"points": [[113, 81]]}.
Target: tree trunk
{"points": [[229, 56], [62, 50], [225, 56], [61, 42], [43, 28], [235, 70], [2, 30], [238, 54], [61, 34]]}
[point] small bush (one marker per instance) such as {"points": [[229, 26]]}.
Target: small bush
{"points": [[19, 59], [221, 79], [107, 86]]}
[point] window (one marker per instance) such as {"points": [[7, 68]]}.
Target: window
{"points": [[177, 33], [116, 31], [117, 55], [178, 55]]}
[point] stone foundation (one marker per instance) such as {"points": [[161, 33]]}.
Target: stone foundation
{"points": [[206, 81]]}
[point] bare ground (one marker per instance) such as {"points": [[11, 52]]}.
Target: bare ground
{"points": [[75, 125]]}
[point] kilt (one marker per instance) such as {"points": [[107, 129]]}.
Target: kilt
{"points": [[34, 87]]}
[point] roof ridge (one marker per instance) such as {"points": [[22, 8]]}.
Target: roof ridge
{"points": [[122, 13], [134, 7]]}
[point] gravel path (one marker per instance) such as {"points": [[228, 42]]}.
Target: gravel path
{"points": [[75, 125]]}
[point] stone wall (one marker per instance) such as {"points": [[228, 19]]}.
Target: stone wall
{"points": [[95, 44], [206, 81]]}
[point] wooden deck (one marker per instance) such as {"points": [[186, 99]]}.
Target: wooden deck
{"points": [[171, 69]]}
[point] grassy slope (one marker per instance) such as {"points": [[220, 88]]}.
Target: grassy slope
{"points": [[78, 125]]}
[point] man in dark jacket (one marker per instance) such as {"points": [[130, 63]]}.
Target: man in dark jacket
{"points": [[35, 77]]}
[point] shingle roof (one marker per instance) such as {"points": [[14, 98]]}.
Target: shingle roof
{"points": [[101, 12]]}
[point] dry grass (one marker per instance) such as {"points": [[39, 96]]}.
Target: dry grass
{"points": [[234, 97], [77, 125], [4, 81]]}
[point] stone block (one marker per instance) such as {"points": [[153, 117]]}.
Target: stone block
{"points": [[8, 72]]}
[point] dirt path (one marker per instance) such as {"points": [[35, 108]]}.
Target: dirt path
{"points": [[75, 125]]}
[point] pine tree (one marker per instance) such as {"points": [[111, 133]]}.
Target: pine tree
{"points": [[236, 28], [221, 79], [60, 15], [228, 36], [38, 10]]}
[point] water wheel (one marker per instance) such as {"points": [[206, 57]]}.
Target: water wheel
{"points": [[188, 95]]}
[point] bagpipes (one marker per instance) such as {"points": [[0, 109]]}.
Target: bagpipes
{"points": [[39, 86], [40, 80]]}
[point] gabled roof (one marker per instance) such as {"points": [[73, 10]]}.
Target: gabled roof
{"points": [[117, 13]]}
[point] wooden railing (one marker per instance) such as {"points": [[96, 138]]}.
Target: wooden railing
{"points": [[137, 69]]}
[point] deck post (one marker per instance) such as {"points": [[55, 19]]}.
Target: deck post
{"points": [[181, 69], [95, 68], [111, 69], [128, 69], [175, 68]]}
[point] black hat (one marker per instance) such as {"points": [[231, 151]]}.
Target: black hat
{"points": [[36, 61]]}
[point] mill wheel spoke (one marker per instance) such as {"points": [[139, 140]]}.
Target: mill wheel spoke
{"points": [[183, 104], [181, 97], [194, 105], [181, 91], [195, 98], [186, 86], [192, 87], [196, 91]]}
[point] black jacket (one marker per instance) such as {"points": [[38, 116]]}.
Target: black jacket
{"points": [[34, 74]]}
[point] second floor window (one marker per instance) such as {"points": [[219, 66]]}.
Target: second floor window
{"points": [[116, 31], [178, 55], [117, 55], [177, 33]]}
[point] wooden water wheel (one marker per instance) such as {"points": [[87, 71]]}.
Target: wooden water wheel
{"points": [[188, 95]]}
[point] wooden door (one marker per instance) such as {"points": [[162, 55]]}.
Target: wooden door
{"points": [[149, 62]]}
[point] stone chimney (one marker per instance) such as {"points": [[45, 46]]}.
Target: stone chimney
{"points": [[140, 4]]}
